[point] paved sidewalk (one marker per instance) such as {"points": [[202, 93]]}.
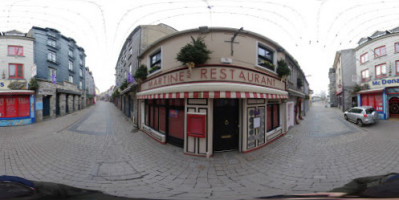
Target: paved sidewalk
{"points": [[97, 148]]}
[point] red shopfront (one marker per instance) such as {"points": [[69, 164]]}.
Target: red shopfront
{"points": [[16, 108], [374, 100]]}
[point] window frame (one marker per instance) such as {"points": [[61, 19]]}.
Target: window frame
{"points": [[258, 56], [158, 62], [52, 43], [15, 50], [70, 65], [367, 78], [16, 71], [273, 106], [379, 48], [50, 74], [364, 55], [381, 74], [52, 56], [397, 67]]}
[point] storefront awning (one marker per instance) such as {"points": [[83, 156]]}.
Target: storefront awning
{"points": [[371, 91], [212, 90], [292, 92]]}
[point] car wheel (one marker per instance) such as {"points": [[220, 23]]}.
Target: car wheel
{"points": [[359, 122], [346, 117]]}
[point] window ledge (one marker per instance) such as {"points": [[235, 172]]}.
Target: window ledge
{"points": [[265, 69], [156, 72], [16, 56], [380, 56]]}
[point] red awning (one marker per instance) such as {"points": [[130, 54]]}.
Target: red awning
{"points": [[16, 92]]}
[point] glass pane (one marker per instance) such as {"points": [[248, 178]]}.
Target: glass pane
{"points": [[20, 71], [378, 71], [383, 69], [11, 51], [12, 70]]}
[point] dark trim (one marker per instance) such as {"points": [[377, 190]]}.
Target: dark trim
{"points": [[206, 102]]}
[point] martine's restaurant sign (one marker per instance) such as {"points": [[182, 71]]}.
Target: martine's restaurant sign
{"points": [[206, 74], [386, 82]]}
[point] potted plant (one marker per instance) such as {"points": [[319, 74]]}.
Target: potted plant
{"points": [[283, 70], [33, 84], [154, 68], [194, 53], [141, 73]]}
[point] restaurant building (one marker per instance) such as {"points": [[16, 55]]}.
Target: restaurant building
{"points": [[377, 66], [232, 102]]}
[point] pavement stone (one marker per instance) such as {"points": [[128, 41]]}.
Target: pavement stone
{"points": [[98, 148]]}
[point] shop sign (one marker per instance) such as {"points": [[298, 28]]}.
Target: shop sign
{"points": [[4, 84], [385, 82], [46, 91], [209, 74]]}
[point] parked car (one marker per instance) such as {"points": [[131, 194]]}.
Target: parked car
{"points": [[361, 115]]}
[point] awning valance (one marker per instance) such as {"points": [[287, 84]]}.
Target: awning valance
{"points": [[213, 90]]}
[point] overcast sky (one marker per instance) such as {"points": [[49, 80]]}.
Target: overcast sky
{"points": [[310, 30]]}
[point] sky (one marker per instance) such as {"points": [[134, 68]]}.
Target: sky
{"points": [[310, 30]]}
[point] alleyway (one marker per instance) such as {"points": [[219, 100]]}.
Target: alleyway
{"points": [[97, 148]]}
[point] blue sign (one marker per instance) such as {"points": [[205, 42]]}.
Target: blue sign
{"points": [[386, 81], [39, 105]]}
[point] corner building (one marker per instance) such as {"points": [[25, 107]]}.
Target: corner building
{"points": [[377, 69], [232, 102]]}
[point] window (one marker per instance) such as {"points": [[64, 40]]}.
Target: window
{"points": [[80, 85], [70, 53], [14, 106], [380, 71], [273, 116], [265, 57], [364, 58], [397, 67], [51, 43], [365, 75], [51, 56], [81, 61], [70, 78], [131, 50], [52, 74], [15, 51], [81, 73], [16, 71], [70, 65], [155, 61], [379, 51], [396, 47], [130, 68]]}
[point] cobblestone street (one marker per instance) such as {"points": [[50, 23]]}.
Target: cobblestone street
{"points": [[97, 148]]}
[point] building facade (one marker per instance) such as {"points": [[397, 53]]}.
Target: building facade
{"points": [[377, 67], [344, 69], [138, 40], [90, 88], [232, 102], [298, 90], [60, 65], [16, 65]]}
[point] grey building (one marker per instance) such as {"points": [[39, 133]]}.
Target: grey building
{"points": [[345, 78], [298, 90], [138, 40], [60, 65], [332, 88], [90, 87]]}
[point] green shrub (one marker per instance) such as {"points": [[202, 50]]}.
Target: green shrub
{"points": [[282, 68], [195, 52]]}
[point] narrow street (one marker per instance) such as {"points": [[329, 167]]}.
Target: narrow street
{"points": [[97, 148]]}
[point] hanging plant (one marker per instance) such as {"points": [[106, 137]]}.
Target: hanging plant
{"points": [[124, 85], [194, 53], [356, 88], [282, 69], [141, 73]]}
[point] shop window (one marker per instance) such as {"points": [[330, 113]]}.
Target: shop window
{"points": [[155, 114], [364, 58], [14, 106], [365, 75], [15, 50], [379, 51], [16, 71], [265, 57], [380, 71], [273, 116], [176, 120]]}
